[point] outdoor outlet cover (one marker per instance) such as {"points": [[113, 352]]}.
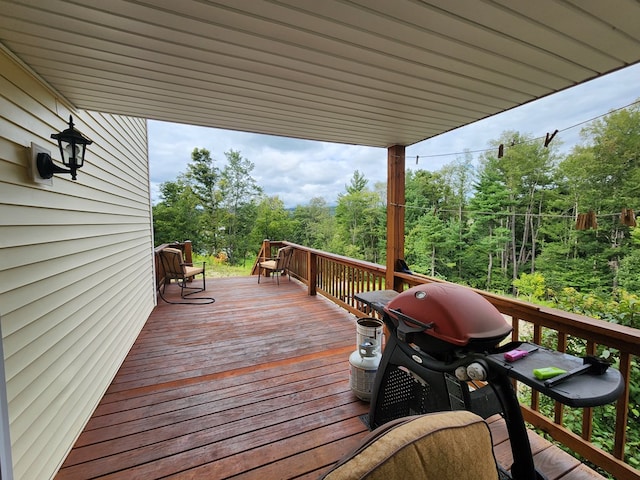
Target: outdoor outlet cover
{"points": [[35, 176]]}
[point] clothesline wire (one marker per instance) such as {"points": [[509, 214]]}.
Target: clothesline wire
{"points": [[474, 212], [543, 138]]}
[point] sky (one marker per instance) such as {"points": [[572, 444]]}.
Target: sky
{"points": [[298, 170]]}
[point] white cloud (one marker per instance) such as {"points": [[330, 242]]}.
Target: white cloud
{"points": [[297, 170]]}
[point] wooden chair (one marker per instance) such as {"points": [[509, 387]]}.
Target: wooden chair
{"points": [[278, 264], [176, 269]]}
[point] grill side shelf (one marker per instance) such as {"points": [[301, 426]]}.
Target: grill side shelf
{"points": [[376, 299], [581, 391]]}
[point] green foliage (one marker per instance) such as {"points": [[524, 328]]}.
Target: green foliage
{"points": [[177, 218], [313, 224], [360, 222], [212, 208], [238, 191], [629, 267], [431, 243], [483, 226], [272, 221], [218, 266], [622, 307], [532, 286]]}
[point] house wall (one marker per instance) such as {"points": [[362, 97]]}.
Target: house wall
{"points": [[76, 279]]}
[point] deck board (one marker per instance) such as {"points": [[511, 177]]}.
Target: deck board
{"points": [[254, 386]]}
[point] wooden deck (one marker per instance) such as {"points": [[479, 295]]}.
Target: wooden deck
{"points": [[254, 386]]}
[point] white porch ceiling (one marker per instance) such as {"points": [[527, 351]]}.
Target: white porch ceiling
{"points": [[367, 72]]}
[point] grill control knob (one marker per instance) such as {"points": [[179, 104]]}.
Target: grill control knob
{"points": [[461, 374], [476, 371]]}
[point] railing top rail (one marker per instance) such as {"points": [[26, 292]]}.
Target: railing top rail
{"points": [[375, 267]]}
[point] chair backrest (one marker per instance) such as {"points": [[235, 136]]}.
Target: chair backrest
{"points": [[438, 446], [284, 256], [172, 263]]}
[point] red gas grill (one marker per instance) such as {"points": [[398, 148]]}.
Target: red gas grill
{"points": [[442, 337]]}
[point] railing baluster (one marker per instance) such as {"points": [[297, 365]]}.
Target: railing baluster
{"points": [[535, 395], [587, 413], [558, 408], [515, 324], [622, 408]]}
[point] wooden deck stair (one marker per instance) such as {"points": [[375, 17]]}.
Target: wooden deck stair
{"points": [[254, 386]]}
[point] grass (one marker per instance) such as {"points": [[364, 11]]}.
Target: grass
{"points": [[217, 267]]}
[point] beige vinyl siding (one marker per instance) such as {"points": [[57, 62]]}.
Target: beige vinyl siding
{"points": [[76, 279]]}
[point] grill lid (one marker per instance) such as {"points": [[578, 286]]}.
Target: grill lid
{"points": [[451, 313]]}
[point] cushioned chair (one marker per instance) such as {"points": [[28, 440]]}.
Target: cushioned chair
{"points": [[176, 269], [438, 446], [278, 264]]}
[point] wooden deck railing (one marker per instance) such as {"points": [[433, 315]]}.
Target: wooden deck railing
{"points": [[340, 278], [333, 276]]}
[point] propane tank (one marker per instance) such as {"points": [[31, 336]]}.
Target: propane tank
{"points": [[369, 330], [364, 365]]}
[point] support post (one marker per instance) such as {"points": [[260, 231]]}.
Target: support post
{"points": [[188, 252], [266, 249], [266, 254], [395, 212]]}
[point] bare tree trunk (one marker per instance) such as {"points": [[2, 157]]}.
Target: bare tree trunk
{"points": [[522, 256], [614, 263], [458, 260], [514, 263], [490, 262], [504, 252], [527, 231], [534, 237], [433, 260]]}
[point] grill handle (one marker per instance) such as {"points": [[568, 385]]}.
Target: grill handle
{"points": [[404, 329]]}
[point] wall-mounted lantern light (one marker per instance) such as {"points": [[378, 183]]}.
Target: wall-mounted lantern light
{"points": [[72, 145]]}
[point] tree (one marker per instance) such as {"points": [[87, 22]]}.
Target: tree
{"points": [[313, 224], [424, 191], [525, 168], [488, 234], [629, 272], [602, 177], [203, 175], [238, 190], [486, 228], [615, 143], [532, 286], [430, 243], [272, 221], [433, 219], [177, 217], [459, 175], [359, 221], [569, 257]]}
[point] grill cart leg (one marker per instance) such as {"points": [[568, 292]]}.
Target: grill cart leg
{"points": [[523, 467]]}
